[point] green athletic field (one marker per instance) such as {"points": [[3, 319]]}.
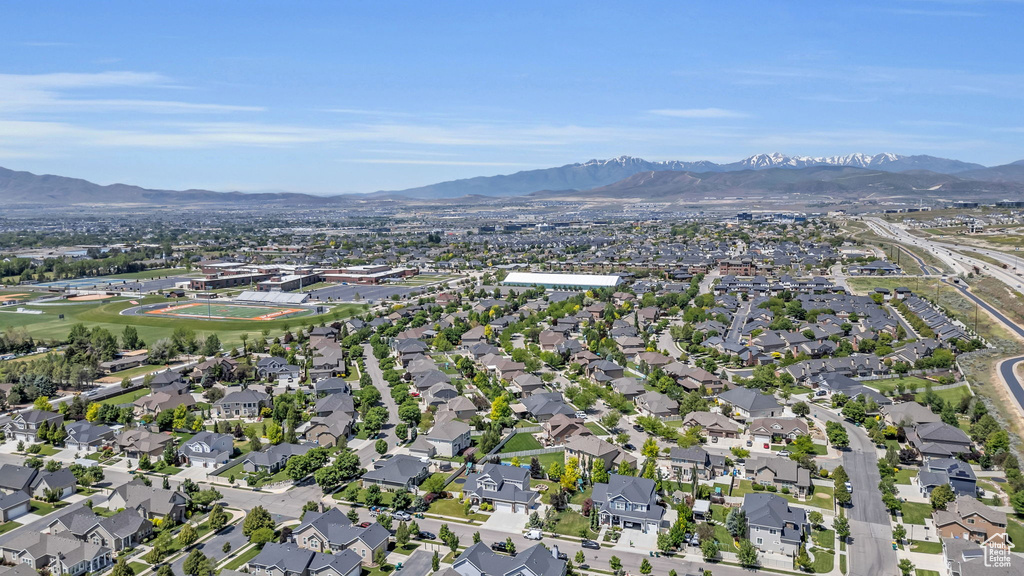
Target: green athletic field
{"points": [[223, 311]]}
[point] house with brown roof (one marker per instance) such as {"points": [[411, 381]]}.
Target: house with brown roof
{"points": [[656, 404], [712, 423], [592, 448], [768, 430], [969, 519], [561, 426]]}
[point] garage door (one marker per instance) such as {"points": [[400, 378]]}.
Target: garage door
{"points": [[503, 506]]}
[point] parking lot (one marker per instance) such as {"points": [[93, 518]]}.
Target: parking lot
{"points": [[365, 292]]}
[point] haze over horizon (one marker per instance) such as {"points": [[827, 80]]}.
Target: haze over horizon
{"points": [[326, 98]]}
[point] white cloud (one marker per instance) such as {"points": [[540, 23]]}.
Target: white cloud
{"points": [[698, 113]]}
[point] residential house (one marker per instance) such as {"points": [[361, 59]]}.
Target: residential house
{"points": [[274, 457], [687, 461], [276, 367], [630, 502], [461, 407], [450, 439], [544, 405], [779, 472], [968, 518], [961, 557], [55, 553], [507, 488], [479, 560], [149, 501], [712, 423], [590, 448], [62, 481], [907, 414], [628, 386], [402, 471], [751, 403], [134, 442], [775, 430], [773, 525], [561, 426], [938, 439], [657, 405], [207, 449], [331, 531], [221, 368], [332, 385], [240, 404], [24, 426], [160, 401], [123, 530], [956, 473], [14, 505], [14, 478], [852, 389], [84, 436], [289, 560]]}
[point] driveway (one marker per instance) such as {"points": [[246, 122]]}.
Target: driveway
{"points": [[508, 521]]}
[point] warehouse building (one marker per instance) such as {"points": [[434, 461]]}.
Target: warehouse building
{"points": [[562, 281]]}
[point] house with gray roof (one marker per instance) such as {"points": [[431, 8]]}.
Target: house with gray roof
{"points": [[507, 488], [751, 403], [768, 430], [479, 560], [126, 529], [149, 501], [14, 505], [274, 457], [402, 471], [907, 414], [331, 531], [84, 436], [962, 557], [449, 439], [956, 473], [332, 385], [240, 404], [289, 560], [62, 481], [686, 461], [852, 389], [630, 502], [24, 426], [544, 405], [56, 553], [207, 449], [135, 442], [779, 472], [712, 423], [657, 405], [773, 525], [938, 439], [15, 478]]}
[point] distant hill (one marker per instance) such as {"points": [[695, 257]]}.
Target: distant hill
{"points": [[1013, 172], [820, 182], [596, 173], [27, 189]]}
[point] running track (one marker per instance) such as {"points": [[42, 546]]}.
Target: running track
{"points": [[1006, 367]]}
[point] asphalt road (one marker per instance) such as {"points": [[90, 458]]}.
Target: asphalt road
{"points": [[870, 531], [368, 453]]}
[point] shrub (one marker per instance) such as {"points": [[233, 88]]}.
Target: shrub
{"points": [[758, 488], [785, 489], [772, 488]]}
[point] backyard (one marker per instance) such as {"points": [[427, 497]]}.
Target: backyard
{"points": [[521, 442]]}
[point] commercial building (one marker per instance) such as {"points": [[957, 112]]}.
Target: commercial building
{"points": [[564, 281]]}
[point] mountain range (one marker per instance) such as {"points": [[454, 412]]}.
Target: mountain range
{"points": [[840, 177]]}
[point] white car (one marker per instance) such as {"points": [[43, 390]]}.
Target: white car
{"points": [[581, 414], [849, 487], [534, 534]]}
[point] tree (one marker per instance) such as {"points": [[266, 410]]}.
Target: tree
{"points": [[571, 474], [187, 535], [855, 411], [941, 496], [842, 495], [815, 518], [598, 474], [1017, 501], [906, 566], [262, 536], [218, 518], [510, 546], [381, 446], [842, 527], [352, 515], [747, 554], [801, 409], [803, 560], [122, 568], [899, 532], [373, 495], [170, 454], [615, 564], [837, 435], [500, 408], [402, 535], [435, 562], [197, 564], [645, 566], [256, 519], [165, 570], [736, 522], [839, 475], [580, 557], [610, 419], [709, 549]]}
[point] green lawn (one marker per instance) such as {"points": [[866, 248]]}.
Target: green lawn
{"points": [[138, 567], [596, 429], [948, 395], [148, 274], [126, 398], [926, 547], [519, 442], [8, 526], [43, 508], [842, 565], [242, 559], [922, 572], [723, 537], [916, 512], [47, 450], [454, 508], [823, 561], [825, 538], [1015, 530], [904, 475], [570, 523], [719, 513], [544, 459], [821, 498], [237, 471], [887, 385]]}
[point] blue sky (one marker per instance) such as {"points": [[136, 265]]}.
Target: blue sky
{"points": [[331, 97]]}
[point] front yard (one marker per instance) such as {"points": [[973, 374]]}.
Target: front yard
{"points": [[916, 512], [822, 496], [570, 523], [454, 508], [926, 547]]}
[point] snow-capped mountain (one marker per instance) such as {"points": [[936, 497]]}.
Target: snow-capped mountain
{"points": [[595, 173]]}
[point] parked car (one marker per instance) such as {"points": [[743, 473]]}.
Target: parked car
{"points": [[638, 428], [402, 516], [563, 556], [714, 439], [424, 535], [849, 487], [581, 414], [365, 524], [499, 547], [750, 443], [784, 453], [629, 446], [534, 534], [590, 544]]}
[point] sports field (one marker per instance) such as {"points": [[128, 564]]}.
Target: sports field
{"points": [[225, 311]]}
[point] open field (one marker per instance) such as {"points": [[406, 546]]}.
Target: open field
{"points": [[889, 384], [49, 325], [222, 311]]}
